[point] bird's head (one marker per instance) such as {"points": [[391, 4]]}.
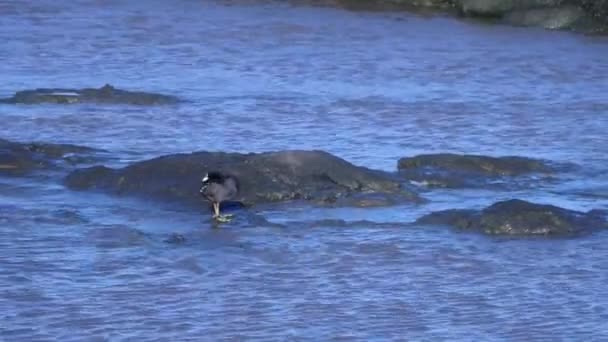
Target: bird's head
{"points": [[205, 183], [210, 177]]}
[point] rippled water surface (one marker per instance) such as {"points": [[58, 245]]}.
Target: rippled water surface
{"points": [[367, 86]]}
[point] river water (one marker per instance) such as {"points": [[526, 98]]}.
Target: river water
{"points": [[369, 87]]}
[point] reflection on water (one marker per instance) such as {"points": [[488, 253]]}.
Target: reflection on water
{"points": [[369, 87]]}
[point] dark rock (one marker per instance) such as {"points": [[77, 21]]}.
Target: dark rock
{"points": [[175, 238], [589, 16], [509, 165], [456, 170], [374, 200], [423, 3], [485, 8], [105, 94], [340, 223], [22, 158], [550, 18], [598, 9], [394, 4], [264, 177], [577, 15], [517, 217], [116, 236]]}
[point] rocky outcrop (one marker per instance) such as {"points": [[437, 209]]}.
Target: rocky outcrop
{"points": [[549, 18], [393, 4], [106, 94], [461, 170], [550, 14], [596, 8], [23, 158], [265, 177], [509, 165], [517, 217], [580, 15], [499, 8]]}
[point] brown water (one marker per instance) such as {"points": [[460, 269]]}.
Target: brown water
{"points": [[368, 87]]}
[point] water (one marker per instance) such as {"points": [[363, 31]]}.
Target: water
{"points": [[369, 87]]}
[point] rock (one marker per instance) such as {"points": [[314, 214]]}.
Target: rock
{"points": [[461, 170], [549, 18], [116, 236], [374, 200], [517, 217], [500, 8], [485, 8], [394, 4], [577, 15], [22, 158], [264, 177], [598, 9], [105, 94], [423, 3], [510, 165], [175, 238], [589, 16]]}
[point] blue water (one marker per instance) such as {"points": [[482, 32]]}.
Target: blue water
{"points": [[369, 87]]}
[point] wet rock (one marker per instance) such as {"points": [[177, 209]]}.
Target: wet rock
{"points": [[116, 236], [550, 18], [22, 158], [394, 4], [598, 9], [461, 170], [175, 238], [264, 177], [517, 217], [105, 94], [373, 200], [340, 223], [485, 8], [577, 15], [590, 16], [423, 3], [510, 165]]}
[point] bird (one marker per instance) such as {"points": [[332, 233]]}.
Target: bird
{"points": [[218, 187]]}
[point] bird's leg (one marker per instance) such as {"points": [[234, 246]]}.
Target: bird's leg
{"points": [[216, 210], [219, 217]]}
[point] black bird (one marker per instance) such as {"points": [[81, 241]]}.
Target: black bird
{"points": [[218, 187]]}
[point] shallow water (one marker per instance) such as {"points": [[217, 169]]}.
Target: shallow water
{"points": [[369, 87]]}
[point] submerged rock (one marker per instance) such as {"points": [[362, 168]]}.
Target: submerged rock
{"points": [[175, 238], [22, 158], [461, 170], [517, 217], [116, 236], [264, 177], [105, 94]]}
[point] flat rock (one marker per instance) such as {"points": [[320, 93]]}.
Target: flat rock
{"points": [[22, 158], [315, 176], [519, 218], [105, 94], [460, 170]]}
